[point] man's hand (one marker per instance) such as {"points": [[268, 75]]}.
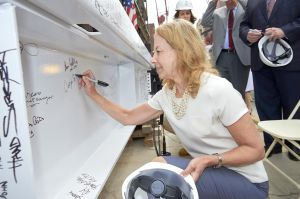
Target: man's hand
{"points": [[254, 35], [274, 33], [208, 39]]}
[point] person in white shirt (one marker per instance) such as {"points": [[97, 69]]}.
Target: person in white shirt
{"points": [[207, 114]]}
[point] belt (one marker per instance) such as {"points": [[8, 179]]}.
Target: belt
{"points": [[229, 50]]}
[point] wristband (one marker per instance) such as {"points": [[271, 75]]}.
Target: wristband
{"points": [[220, 160]]}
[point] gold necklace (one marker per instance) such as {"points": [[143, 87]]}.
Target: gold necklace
{"points": [[179, 105]]}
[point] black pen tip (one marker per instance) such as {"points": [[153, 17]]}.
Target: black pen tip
{"points": [[78, 75]]}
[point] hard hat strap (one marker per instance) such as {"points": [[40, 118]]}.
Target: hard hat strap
{"points": [[155, 187]]}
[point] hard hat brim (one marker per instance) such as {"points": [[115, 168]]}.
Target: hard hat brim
{"points": [[266, 61], [184, 8]]}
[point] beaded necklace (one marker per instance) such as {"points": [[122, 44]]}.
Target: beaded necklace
{"points": [[179, 105]]}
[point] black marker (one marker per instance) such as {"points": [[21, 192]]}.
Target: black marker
{"points": [[101, 83]]}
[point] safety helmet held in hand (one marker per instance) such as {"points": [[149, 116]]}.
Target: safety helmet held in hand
{"points": [[184, 5], [158, 180], [275, 53]]}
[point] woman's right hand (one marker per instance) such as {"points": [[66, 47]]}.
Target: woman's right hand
{"points": [[88, 85]]}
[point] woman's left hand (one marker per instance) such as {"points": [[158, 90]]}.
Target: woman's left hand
{"points": [[195, 168]]}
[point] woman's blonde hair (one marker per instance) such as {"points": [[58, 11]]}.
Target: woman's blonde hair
{"points": [[192, 57]]}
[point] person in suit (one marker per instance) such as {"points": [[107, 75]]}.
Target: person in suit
{"points": [[231, 56], [276, 89], [207, 20]]}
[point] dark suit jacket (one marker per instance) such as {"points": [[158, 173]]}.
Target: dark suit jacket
{"points": [[285, 15]]}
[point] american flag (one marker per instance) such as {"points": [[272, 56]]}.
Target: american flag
{"points": [[129, 6]]}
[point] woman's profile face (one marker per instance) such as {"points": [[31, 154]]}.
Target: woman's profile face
{"points": [[185, 14], [164, 58]]}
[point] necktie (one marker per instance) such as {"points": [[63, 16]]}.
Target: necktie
{"points": [[230, 27], [270, 5]]}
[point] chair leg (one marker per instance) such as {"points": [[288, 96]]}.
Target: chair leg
{"points": [[282, 142], [270, 148], [282, 173], [291, 151], [274, 166]]}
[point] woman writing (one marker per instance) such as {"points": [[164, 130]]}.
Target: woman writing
{"points": [[207, 114]]}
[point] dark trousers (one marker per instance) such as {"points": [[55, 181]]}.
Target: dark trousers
{"points": [[230, 67], [223, 183], [276, 94]]}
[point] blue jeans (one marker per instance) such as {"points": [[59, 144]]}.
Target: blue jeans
{"points": [[223, 183]]}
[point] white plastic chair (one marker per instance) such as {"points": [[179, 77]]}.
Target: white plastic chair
{"points": [[280, 130]]}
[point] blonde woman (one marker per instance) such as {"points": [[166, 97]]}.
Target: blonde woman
{"points": [[207, 114]]}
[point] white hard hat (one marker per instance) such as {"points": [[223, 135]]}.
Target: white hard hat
{"points": [[184, 5], [275, 53], [159, 180]]}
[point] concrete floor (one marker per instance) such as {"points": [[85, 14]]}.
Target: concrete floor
{"points": [[136, 154]]}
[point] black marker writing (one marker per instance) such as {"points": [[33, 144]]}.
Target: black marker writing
{"points": [[35, 98], [71, 64], [74, 195], [4, 77], [15, 148], [88, 183], [3, 189], [1, 166], [8, 119], [102, 9], [70, 83], [87, 180], [35, 121], [31, 132]]}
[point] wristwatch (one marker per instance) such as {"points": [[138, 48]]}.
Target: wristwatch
{"points": [[220, 160]]}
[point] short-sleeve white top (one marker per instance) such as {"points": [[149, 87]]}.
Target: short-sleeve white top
{"points": [[202, 130]]}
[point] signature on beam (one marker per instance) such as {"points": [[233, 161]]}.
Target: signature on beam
{"points": [[3, 189], [10, 118]]}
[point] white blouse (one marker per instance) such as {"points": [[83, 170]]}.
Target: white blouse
{"points": [[202, 130]]}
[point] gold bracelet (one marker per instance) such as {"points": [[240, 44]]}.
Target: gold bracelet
{"points": [[220, 160]]}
